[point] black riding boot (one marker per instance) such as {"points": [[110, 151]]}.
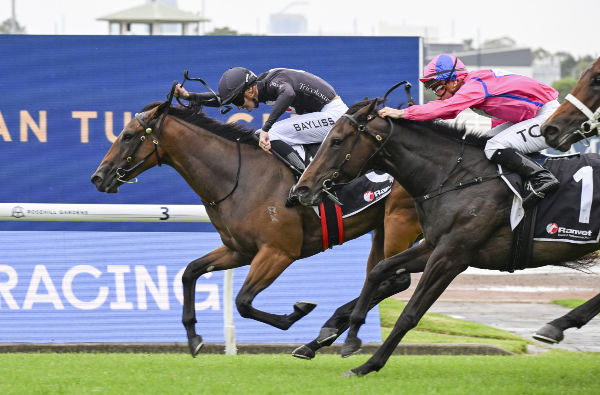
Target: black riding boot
{"points": [[538, 180], [286, 152]]}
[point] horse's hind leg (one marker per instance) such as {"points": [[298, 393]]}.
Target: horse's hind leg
{"points": [[412, 260], [552, 332], [220, 259]]}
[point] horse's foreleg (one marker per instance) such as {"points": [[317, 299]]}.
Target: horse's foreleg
{"points": [[412, 260], [340, 320], [220, 259], [552, 332], [438, 274], [266, 266]]}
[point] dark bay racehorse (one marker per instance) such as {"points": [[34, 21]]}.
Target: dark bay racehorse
{"points": [[463, 208], [578, 117], [244, 191]]}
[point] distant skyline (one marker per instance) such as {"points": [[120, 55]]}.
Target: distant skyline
{"points": [[552, 25]]}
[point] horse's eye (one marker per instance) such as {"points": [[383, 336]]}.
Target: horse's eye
{"points": [[127, 137], [596, 79], [336, 143]]}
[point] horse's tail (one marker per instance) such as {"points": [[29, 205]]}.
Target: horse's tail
{"points": [[584, 263]]}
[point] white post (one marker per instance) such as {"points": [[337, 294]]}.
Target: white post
{"points": [[230, 348]]}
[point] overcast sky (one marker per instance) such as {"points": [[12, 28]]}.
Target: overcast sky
{"points": [[571, 26]]}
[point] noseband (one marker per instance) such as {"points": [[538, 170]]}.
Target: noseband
{"points": [[588, 127]]}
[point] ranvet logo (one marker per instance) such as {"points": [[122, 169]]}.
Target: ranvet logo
{"points": [[369, 196], [552, 228]]}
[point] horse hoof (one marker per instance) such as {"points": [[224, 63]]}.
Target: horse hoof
{"points": [[350, 347], [327, 335], [549, 334], [350, 373], [303, 352], [195, 345], [303, 308]]}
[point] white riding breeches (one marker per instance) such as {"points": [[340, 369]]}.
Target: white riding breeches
{"points": [[308, 128], [524, 136]]}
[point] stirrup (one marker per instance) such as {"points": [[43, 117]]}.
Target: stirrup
{"points": [[529, 187]]}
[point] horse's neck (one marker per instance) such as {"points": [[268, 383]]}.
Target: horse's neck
{"points": [[423, 160], [207, 162]]}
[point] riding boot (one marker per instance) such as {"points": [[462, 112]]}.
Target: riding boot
{"points": [[538, 180], [287, 153]]}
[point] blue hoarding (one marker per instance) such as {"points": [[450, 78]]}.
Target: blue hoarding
{"points": [[66, 97]]}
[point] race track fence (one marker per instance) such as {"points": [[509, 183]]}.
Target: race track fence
{"points": [[126, 213]]}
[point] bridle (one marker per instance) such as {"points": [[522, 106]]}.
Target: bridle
{"points": [[361, 128], [149, 129], [123, 173], [587, 128]]}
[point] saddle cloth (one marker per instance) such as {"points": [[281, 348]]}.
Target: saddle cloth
{"points": [[571, 213]]}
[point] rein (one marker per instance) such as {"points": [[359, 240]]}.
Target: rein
{"points": [[223, 109], [593, 122], [362, 128], [237, 178], [460, 185]]}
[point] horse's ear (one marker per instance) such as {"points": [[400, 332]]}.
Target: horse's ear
{"points": [[372, 107]]}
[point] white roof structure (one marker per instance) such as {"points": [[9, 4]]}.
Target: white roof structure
{"points": [[153, 14]]}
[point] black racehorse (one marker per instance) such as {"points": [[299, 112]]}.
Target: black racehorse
{"points": [[462, 203], [244, 191]]}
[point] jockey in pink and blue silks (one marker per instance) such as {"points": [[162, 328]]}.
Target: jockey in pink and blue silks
{"points": [[518, 106]]}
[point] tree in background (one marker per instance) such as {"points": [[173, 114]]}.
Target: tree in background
{"points": [[564, 86], [6, 27], [222, 31]]}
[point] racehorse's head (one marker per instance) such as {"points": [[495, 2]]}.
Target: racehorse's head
{"points": [[348, 147], [578, 117], [134, 151]]}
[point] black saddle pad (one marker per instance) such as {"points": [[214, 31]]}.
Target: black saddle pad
{"points": [[571, 213]]}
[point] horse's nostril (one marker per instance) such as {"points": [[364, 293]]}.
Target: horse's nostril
{"points": [[301, 189], [96, 179], [549, 130]]}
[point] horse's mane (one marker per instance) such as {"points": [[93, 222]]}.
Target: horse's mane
{"points": [[229, 131], [453, 132]]}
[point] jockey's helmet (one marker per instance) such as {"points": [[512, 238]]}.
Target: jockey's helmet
{"points": [[441, 69], [234, 83]]}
